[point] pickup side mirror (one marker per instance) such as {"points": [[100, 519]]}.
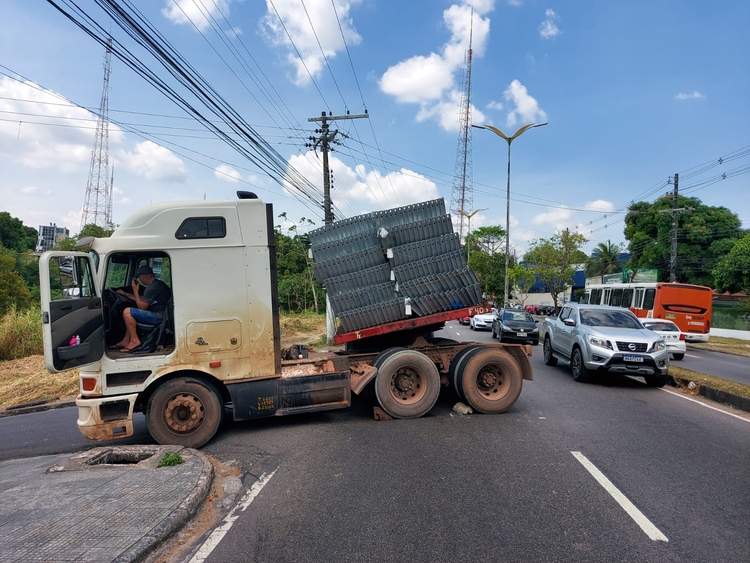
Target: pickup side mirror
{"points": [[569, 322]]}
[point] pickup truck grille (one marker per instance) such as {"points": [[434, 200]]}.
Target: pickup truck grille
{"points": [[625, 346]]}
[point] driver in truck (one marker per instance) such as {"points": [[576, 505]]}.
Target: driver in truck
{"points": [[149, 307]]}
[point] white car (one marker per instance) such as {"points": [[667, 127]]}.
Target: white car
{"points": [[670, 332], [483, 321]]}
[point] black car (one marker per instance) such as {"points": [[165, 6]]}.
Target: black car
{"points": [[515, 325]]}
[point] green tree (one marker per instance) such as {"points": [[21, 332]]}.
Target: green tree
{"points": [[732, 273], [523, 278], [14, 236], [553, 260], [298, 290], [605, 259], [486, 247], [13, 292], [704, 236]]}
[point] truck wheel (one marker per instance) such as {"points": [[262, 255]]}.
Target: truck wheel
{"points": [[656, 380], [580, 373], [184, 411], [407, 384], [491, 380], [549, 357], [457, 367]]}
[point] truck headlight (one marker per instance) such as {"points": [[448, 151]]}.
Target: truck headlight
{"points": [[657, 346], [601, 342]]}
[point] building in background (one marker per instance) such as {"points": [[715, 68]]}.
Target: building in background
{"points": [[49, 236]]}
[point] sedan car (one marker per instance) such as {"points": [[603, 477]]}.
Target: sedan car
{"points": [[670, 332], [512, 325], [482, 321]]}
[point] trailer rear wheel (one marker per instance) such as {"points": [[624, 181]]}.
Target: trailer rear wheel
{"points": [[456, 369], [407, 384], [491, 380], [184, 411]]}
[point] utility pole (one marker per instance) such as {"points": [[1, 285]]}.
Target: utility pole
{"points": [[324, 141], [674, 212]]}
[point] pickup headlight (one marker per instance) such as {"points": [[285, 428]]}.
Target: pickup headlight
{"points": [[601, 342], [657, 346]]}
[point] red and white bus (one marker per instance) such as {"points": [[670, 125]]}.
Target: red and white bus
{"points": [[688, 306]]}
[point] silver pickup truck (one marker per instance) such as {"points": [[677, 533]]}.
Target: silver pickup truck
{"points": [[602, 339]]}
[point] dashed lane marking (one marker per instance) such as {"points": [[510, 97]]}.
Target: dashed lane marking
{"points": [[640, 519], [216, 536]]}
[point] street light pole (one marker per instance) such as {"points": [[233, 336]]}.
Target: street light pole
{"points": [[468, 232], [507, 205]]}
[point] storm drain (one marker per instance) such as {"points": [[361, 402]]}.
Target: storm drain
{"points": [[119, 457]]}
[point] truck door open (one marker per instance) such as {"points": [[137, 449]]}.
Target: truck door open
{"points": [[72, 320]]}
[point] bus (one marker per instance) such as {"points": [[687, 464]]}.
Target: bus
{"points": [[688, 306]]}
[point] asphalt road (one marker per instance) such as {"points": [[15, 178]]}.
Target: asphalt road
{"points": [[726, 366], [514, 487]]}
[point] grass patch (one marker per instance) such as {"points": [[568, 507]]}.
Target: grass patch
{"points": [[717, 383], [723, 344], [301, 328], [21, 334], [26, 380], [170, 459]]}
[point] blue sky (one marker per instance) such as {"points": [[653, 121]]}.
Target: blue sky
{"points": [[633, 91]]}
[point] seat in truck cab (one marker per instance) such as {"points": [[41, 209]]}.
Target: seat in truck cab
{"points": [[151, 336]]}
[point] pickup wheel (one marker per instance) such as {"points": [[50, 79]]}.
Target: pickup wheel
{"points": [[678, 357], [580, 373], [549, 357], [407, 384], [456, 369], [491, 380], [184, 411], [656, 380]]}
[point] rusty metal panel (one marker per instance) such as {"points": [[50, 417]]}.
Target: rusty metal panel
{"points": [[214, 336]]}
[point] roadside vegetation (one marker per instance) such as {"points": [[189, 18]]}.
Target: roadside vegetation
{"points": [[721, 344], [684, 376]]}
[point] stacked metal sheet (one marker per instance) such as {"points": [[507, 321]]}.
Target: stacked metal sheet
{"points": [[385, 266]]}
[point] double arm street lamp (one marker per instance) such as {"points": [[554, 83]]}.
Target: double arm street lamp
{"points": [[468, 232], [507, 209]]}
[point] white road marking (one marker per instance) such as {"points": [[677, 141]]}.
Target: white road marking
{"points": [[645, 524], [218, 534], [681, 396], [691, 356]]}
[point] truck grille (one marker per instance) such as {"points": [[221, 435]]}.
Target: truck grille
{"points": [[626, 346]]}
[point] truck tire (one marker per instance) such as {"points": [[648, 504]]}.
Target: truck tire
{"points": [[656, 380], [491, 380], [580, 373], [407, 384], [184, 411], [549, 357], [456, 368]]}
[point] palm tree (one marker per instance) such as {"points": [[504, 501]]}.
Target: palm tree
{"points": [[605, 259]]}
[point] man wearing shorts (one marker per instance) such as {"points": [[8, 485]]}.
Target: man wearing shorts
{"points": [[149, 307]]}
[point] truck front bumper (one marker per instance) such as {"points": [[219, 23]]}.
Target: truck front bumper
{"points": [[106, 418]]}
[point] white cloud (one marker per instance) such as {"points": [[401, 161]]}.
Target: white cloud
{"points": [[322, 22], [694, 96], [154, 162], [515, 2], [227, 174], [119, 196], [430, 80], [357, 190], [49, 132], [36, 192], [556, 218], [526, 108], [548, 29], [600, 205], [494, 105], [197, 12]]}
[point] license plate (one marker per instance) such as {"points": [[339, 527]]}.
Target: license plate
{"points": [[631, 358], [521, 334]]}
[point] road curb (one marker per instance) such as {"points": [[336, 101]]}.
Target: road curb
{"points": [[712, 394], [37, 408]]}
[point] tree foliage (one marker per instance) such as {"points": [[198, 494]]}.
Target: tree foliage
{"points": [[704, 236], [732, 273], [605, 259], [486, 248], [298, 290], [13, 291], [523, 278], [14, 235], [553, 260]]}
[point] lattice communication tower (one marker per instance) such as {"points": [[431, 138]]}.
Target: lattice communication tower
{"points": [[462, 194], [97, 206]]}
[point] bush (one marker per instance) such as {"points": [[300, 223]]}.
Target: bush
{"points": [[21, 334]]}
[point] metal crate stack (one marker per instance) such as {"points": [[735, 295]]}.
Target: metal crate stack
{"points": [[387, 265]]}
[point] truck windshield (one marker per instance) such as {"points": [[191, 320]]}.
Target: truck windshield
{"points": [[618, 319]]}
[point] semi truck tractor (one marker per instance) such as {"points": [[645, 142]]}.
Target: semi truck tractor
{"points": [[393, 278]]}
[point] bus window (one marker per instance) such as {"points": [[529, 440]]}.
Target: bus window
{"points": [[607, 293], [648, 298], [596, 297], [616, 298], [627, 297], [638, 303]]}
